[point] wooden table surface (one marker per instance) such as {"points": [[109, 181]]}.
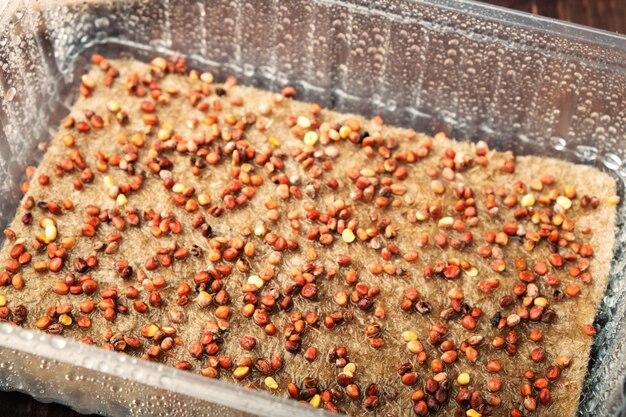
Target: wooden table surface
{"points": [[604, 14]]}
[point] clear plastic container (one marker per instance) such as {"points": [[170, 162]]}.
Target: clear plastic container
{"points": [[523, 83]]}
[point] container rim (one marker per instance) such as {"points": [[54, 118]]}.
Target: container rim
{"points": [[520, 18]]}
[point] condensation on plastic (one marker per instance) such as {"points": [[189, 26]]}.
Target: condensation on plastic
{"points": [[522, 83]]}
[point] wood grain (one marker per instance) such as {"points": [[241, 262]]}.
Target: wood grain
{"points": [[609, 15]]}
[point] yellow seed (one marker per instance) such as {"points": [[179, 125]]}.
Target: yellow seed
{"points": [[274, 143], [473, 413], [344, 132], [471, 272], [121, 200], [304, 122], [159, 63], [108, 181], [3, 300], [88, 81], [208, 121], [207, 77], [265, 109], [310, 138], [204, 199], [528, 200], [178, 188], [164, 134], [564, 202], [613, 200], [152, 330], [113, 106], [409, 335], [65, 320], [50, 232], [347, 235], [271, 383], [316, 400], [137, 140], [241, 372], [46, 221], [570, 191], [541, 302], [446, 222], [350, 368], [463, 378], [256, 281]]}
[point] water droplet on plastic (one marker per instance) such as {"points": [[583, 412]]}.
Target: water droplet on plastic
{"points": [[558, 143], [10, 95], [101, 22], [586, 153], [612, 161]]}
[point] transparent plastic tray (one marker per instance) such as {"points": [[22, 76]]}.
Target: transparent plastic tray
{"points": [[522, 83]]}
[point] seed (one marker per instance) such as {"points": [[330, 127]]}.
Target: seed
{"points": [[347, 235], [468, 322], [472, 413], [494, 384], [304, 122], [247, 342], [316, 401], [271, 383], [589, 330], [60, 288], [528, 200], [241, 372], [415, 346], [563, 361], [84, 322], [50, 232], [65, 320], [121, 200], [564, 202], [204, 298], [410, 378], [449, 357], [409, 335], [463, 378], [613, 200], [256, 281], [3, 300], [310, 138], [537, 355], [43, 323], [113, 106], [310, 354], [530, 404], [494, 366]]}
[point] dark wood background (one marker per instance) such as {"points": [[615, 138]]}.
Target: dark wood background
{"points": [[604, 14]]}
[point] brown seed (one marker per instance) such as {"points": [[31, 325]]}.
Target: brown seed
{"points": [[247, 342], [60, 288], [309, 290], [310, 354], [449, 357], [410, 378]]}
